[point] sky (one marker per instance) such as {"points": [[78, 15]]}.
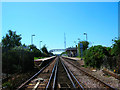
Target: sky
{"points": [[50, 20]]}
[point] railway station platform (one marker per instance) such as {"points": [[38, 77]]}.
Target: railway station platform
{"points": [[38, 60], [42, 62], [74, 58]]}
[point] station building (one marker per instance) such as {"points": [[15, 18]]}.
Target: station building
{"points": [[72, 52]]}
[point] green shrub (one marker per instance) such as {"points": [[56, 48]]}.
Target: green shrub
{"points": [[7, 84], [110, 62], [17, 60], [94, 56], [116, 48]]}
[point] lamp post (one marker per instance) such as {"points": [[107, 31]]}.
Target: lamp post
{"points": [[86, 35], [32, 39], [40, 44]]}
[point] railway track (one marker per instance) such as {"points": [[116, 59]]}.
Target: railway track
{"points": [[87, 79], [62, 78], [40, 79], [57, 77]]}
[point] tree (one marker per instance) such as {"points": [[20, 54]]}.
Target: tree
{"points": [[11, 40], [116, 53], [36, 52], [31, 47], [85, 46], [116, 47], [45, 51]]}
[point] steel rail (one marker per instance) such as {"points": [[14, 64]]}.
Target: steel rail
{"points": [[107, 85], [26, 82], [54, 74], [75, 78], [51, 76], [68, 74], [54, 82]]}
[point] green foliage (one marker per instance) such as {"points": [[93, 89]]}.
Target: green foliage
{"points": [[25, 48], [94, 56], [99, 56], [109, 49], [45, 51], [17, 60], [17, 57], [31, 47], [110, 62], [36, 52], [51, 54], [85, 46], [116, 53], [116, 48], [7, 84], [63, 53], [11, 40], [38, 58]]}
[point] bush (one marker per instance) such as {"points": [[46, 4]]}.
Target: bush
{"points": [[94, 56], [17, 60], [110, 62], [36, 52], [116, 53], [7, 84], [116, 48]]}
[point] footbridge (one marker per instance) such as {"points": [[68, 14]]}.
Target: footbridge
{"points": [[57, 50]]}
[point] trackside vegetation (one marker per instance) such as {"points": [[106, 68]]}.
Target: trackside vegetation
{"points": [[85, 46], [99, 56], [18, 59], [94, 56]]}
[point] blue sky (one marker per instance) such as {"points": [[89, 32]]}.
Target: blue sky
{"points": [[50, 20]]}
